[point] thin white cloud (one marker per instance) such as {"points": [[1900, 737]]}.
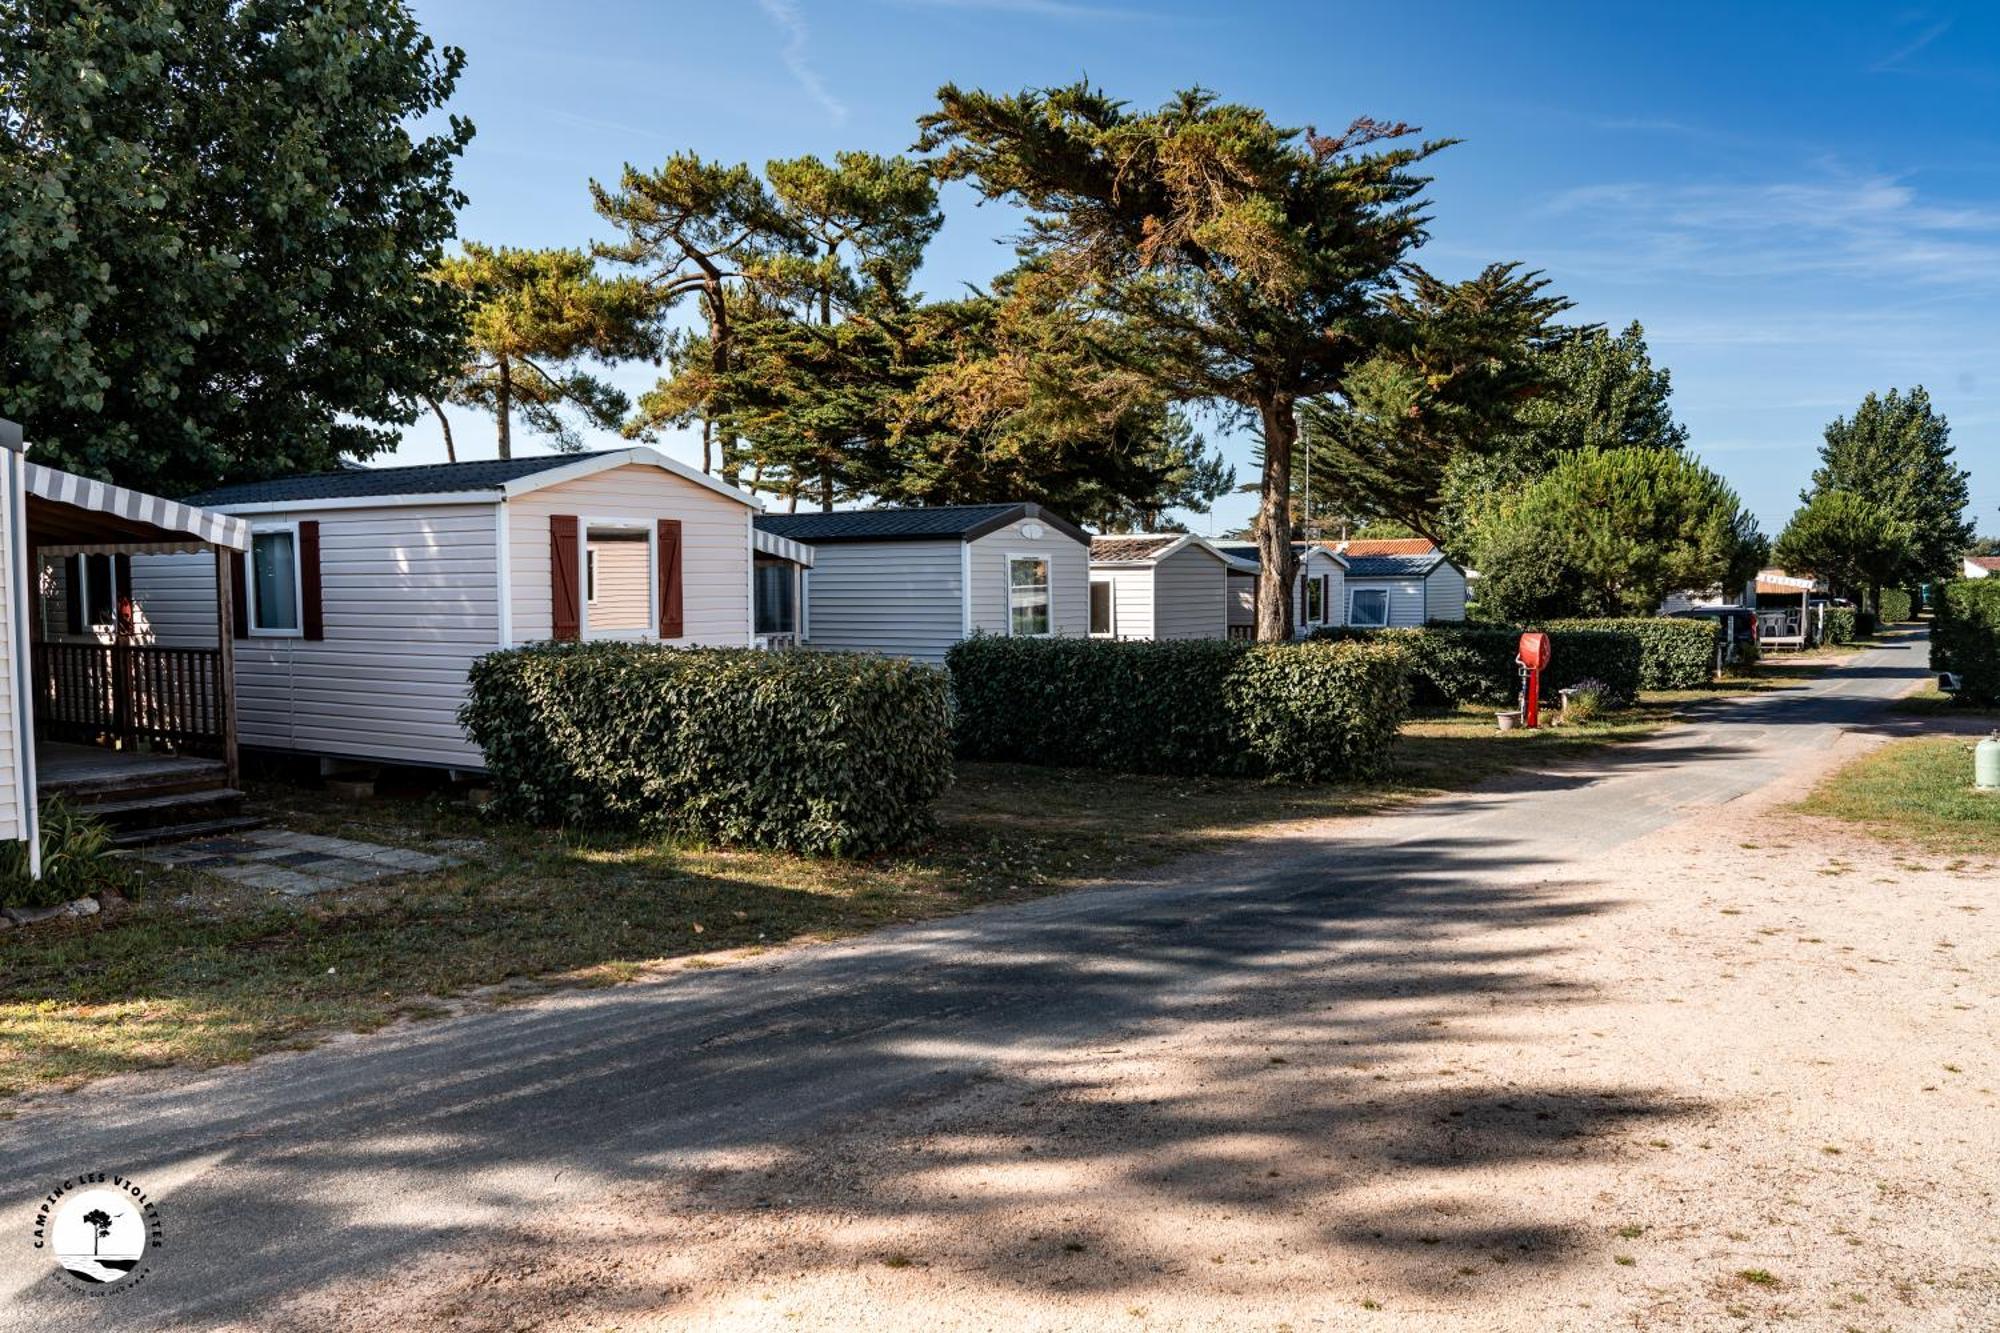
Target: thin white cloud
{"points": [[1866, 228], [790, 21], [1894, 60]]}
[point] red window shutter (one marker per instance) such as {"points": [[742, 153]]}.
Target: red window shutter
{"points": [[239, 594], [672, 624], [312, 617], [565, 588]]}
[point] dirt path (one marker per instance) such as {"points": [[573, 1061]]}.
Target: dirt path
{"points": [[1630, 1047]]}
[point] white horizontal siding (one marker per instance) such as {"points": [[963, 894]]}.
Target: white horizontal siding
{"points": [[715, 548], [1444, 594], [1406, 598], [1069, 578], [1131, 598], [1190, 596], [904, 599]]}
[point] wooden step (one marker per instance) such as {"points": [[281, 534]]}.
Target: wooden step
{"points": [[210, 828], [155, 809], [115, 783]]}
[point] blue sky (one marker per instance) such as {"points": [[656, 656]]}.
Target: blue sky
{"points": [[1800, 202]]}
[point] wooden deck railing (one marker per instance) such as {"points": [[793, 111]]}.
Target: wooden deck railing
{"points": [[90, 691]]}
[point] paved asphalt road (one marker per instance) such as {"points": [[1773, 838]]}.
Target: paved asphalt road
{"points": [[360, 1158]]}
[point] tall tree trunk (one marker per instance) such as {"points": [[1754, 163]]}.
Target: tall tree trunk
{"points": [[503, 407], [707, 445], [444, 424], [826, 486], [1274, 521]]}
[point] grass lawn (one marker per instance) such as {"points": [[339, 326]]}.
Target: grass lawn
{"points": [[196, 971], [1918, 791]]}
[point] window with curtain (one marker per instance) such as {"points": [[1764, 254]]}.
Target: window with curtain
{"points": [[777, 608], [274, 582], [1103, 621], [1027, 594], [1368, 607]]}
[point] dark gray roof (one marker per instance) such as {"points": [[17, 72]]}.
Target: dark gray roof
{"points": [[1391, 566], [1248, 551], [930, 523], [368, 482]]}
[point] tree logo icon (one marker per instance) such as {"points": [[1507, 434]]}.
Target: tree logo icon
{"points": [[100, 1228]]}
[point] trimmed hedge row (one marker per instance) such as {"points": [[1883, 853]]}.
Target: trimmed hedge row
{"points": [[1966, 637], [814, 752], [1456, 663], [1674, 653], [1305, 712], [1896, 606]]}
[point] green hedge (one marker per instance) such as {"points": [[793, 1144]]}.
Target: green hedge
{"points": [[1895, 607], [814, 752], [1299, 711], [1674, 653], [1966, 637], [1458, 662], [1865, 623]]}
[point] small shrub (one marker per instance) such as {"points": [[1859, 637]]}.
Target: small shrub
{"points": [[812, 752], [1297, 711], [1966, 638], [1453, 662], [1841, 624], [1584, 701], [74, 864], [1896, 607], [1675, 653]]}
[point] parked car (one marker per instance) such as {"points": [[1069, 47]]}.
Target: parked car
{"points": [[1739, 626]]}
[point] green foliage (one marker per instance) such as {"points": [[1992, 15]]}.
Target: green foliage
{"points": [[1841, 624], [1865, 623], [1250, 261], [1897, 607], [1674, 653], [1610, 532], [1464, 361], [532, 315], [1457, 662], [217, 225], [1896, 453], [1847, 539], [74, 847], [1965, 638], [1585, 701], [813, 752], [1602, 392], [1304, 712]]}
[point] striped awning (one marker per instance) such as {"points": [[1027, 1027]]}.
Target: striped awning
{"points": [[784, 548], [170, 516]]}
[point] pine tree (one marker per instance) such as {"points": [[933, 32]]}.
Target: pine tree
{"points": [[1895, 451]]}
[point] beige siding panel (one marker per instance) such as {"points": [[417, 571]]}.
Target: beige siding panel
{"points": [[1131, 598], [1190, 596], [1242, 598], [715, 547], [410, 596], [1069, 578], [903, 599], [12, 825]]}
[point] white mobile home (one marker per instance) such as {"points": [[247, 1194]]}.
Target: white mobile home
{"points": [[1402, 590], [913, 582], [368, 592], [1158, 586], [1318, 588], [143, 737]]}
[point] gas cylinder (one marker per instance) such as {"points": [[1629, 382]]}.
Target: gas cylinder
{"points": [[1986, 763]]}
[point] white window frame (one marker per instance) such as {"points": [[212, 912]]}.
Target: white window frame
{"points": [[91, 627], [1112, 631], [1048, 590], [1315, 583], [652, 533], [298, 582], [1383, 593]]}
